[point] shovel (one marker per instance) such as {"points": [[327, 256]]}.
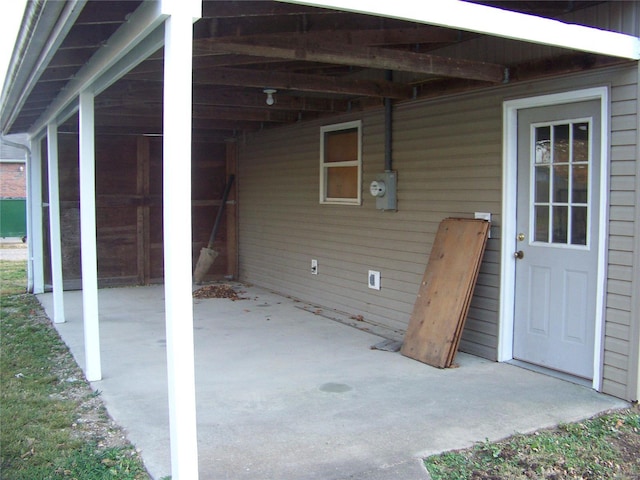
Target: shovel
{"points": [[208, 254]]}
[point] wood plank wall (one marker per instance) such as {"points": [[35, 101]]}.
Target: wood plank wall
{"points": [[448, 154], [129, 208]]}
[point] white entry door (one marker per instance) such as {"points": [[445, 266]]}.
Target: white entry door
{"points": [[556, 244]]}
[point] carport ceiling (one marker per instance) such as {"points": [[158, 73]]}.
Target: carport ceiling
{"points": [[321, 62]]}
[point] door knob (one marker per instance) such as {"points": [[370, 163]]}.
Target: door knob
{"points": [[521, 237], [519, 255]]}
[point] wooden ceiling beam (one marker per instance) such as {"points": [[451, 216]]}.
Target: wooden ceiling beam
{"points": [[85, 36], [106, 11], [254, 8], [154, 123], [265, 115], [205, 112], [299, 48], [238, 98], [128, 93], [301, 82], [365, 37]]}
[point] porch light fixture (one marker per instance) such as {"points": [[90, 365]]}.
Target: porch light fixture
{"points": [[270, 91]]}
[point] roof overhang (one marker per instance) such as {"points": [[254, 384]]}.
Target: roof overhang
{"points": [[32, 53], [493, 21], [324, 57]]}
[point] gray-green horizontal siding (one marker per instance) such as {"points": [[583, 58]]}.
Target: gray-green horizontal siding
{"points": [[448, 155]]}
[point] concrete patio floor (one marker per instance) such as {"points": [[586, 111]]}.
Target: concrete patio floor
{"points": [[285, 394]]}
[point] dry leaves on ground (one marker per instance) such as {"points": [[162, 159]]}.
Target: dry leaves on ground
{"points": [[218, 291]]}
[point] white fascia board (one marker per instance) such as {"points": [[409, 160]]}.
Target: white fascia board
{"points": [[44, 26], [91, 77], [493, 21]]}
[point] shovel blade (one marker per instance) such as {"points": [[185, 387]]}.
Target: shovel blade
{"points": [[207, 257]]}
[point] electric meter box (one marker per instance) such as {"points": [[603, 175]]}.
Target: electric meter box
{"points": [[383, 188]]}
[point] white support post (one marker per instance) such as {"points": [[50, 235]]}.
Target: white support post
{"points": [[35, 237], [54, 224], [177, 241], [93, 369]]}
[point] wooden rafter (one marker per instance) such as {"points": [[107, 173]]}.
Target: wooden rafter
{"points": [[301, 82], [299, 48]]}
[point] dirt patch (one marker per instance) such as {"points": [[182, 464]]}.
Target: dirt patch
{"points": [[218, 291], [92, 423]]}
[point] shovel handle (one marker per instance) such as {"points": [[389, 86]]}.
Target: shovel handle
{"points": [[220, 210]]}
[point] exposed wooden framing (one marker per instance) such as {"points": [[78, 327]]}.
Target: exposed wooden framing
{"points": [[232, 210], [151, 124], [495, 21], [232, 97], [85, 35], [106, 11], [143, 239], [129, 45], [355, 36], [301, 82], [250, 8], [249, 114], [300, 48]]}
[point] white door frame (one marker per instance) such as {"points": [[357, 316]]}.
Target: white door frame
{"points": [[509, 189]]}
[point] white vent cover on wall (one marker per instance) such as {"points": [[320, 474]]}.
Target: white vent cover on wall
{"points": [[374, 280]]}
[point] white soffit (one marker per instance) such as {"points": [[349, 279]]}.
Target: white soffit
{"points": [[493, 21]]}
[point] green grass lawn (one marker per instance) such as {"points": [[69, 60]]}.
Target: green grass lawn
{"points": [[52, 425]]}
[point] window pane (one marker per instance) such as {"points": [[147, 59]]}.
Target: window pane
{"points": [[581, 142], [560, 225], [561, 143], [561, 183], [342, 182], [542, 184], [580, 183], [543, 144], [341, 146], [541, 224], [579, 225]]}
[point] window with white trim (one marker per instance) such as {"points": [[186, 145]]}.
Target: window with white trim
{"points": [[341, 163]]}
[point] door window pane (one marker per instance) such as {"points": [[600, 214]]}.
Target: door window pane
{"points": [[541, 224], [581, 142], [561, 183], [561, 143], [560, 224], [543, 144], [542, 184], [579, 223], [580, 182]]}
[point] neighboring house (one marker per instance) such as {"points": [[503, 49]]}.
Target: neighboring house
{"points": [[13, 188], [536, 125]]}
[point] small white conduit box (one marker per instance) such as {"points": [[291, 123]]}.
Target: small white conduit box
{"points": [[374, 280]]}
